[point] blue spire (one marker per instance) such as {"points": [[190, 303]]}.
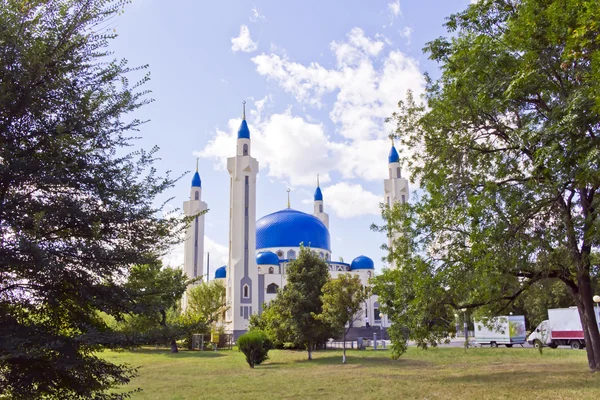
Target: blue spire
{"points": [[393, 157], [244, 132], [196, 182], [318, 194]]}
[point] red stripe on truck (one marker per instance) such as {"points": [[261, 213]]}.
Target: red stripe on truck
{"points": [[567, 334]]}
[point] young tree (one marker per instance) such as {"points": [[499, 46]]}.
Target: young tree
{"points": [[76, 211], [207, 300], [506, 151], [342, 304]]}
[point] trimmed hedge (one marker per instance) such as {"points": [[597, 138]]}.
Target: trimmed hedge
{"points": [[255, 345]]}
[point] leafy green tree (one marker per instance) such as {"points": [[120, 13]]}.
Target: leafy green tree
{"points": [[255, 345], [273, 322], [506, 150], [76, 211], [207, 300], [342, 304]]}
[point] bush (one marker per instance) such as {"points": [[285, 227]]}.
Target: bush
{"points": [[255, 345]]}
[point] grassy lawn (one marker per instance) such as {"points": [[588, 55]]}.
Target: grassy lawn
{"points": [[442, 373]]}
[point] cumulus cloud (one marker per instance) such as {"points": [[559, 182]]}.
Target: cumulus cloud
{"points": [[219, 255], [406, 33], [394, 9], [256, 15], [243, 42], [351, 200]]}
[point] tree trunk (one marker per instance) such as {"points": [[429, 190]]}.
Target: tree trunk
{"points": [[309, 347], [585, 306], [344, 346], [174, 347]]}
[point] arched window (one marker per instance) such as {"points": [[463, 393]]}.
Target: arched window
{"points": [[369, 274], [196, 195], [272, 288], [259, 270], [391, 174], [245, 151], [246, 291], [271, 270], [403, 199], [320, 208], [376, 311], [291, 255], [279, 253], [398, 172], [322, 255]]}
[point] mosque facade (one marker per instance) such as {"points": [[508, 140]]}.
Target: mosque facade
{"points": [[261, 250]]}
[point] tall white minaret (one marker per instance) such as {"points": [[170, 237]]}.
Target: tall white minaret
{"points": [[242, 272], [395, 188], [319, 206], [193, 261]]}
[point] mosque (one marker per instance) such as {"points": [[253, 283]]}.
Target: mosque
{"points": [[260, 250]]}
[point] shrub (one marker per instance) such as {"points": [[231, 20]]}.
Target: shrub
{"points": [[255, 345]]}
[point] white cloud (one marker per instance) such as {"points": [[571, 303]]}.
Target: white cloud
{"points": [[351, 200], [243, 42], [256, 15], [394, 9], [219, 255], [406, 33]]}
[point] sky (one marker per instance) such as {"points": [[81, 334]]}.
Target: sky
{"points": [[319, 79]]}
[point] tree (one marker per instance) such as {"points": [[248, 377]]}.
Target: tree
{"points": [[255, 345], [506, 151], [207, 300], [342, 304], [76, 210]]}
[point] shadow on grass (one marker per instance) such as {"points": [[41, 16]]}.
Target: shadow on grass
{"points": [[180, 354], [363, 361]]}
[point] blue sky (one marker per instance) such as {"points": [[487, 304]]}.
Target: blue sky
{"points": [[319, 78]]}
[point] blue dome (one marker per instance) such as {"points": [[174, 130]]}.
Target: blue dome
{"points": [[393, 157], [289, 228], [267, 258], [244, 132], [221, 272], [362, 262], [318, 194], [196, 182]]}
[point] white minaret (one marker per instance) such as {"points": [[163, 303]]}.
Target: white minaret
{"points": [[319, 206], [193, 261], [242, 272], [395, 188]]}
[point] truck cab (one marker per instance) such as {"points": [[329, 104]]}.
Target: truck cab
{"points": [[562, 328]]}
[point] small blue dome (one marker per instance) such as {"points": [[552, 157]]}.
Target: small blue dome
{"points": [[289, 228], [362, 262], [393, 157], [267, 258], [196, 182], [318, 194], [221, 272], [244, 132]]}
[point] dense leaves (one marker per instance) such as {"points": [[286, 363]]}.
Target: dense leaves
{"points": [[255, 345], [507, 151], [76, 211]]}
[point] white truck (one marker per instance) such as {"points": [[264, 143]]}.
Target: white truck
{"points": [[562, 328], [506, 330]]}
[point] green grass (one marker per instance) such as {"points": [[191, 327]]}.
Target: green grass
{"points": [[441, 373]]}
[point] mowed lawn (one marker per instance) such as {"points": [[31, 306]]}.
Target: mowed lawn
{"points": [[440, 373]]}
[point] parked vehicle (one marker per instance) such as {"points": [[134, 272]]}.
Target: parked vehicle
{"points": [[562, 328], [502, 330]]}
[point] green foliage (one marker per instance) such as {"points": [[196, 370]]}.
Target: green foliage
{"points": [[207, 300], [76, 211], [292, 316], [255, 345], [506, 150]]}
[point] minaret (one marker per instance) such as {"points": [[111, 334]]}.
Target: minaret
{"points": [[193, 260], [319, 210], [395, 188], [242, 273]]}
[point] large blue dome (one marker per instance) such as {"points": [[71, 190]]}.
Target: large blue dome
{"points": [[267, 258], [289, 228], [362, 262]]}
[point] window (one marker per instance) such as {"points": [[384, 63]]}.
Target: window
{"points": [[279, 253], [398, 172], [196, 195], [391, 173], [388, 201], [271, 270], [321, 208], [246, 291], [245, 151], [291, 254], [272, 288], [259, 270], [376, 311], [369, 274], [322, 255], [403, 199]]}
